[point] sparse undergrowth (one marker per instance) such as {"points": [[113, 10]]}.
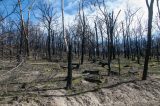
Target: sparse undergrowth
{"points": [[33, 80]]}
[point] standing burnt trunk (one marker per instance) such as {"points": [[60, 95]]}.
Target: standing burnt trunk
{"points": [[149, 38], [124, 41], [69, 76], [53, 43], [49, 43], [2, 49], [82, 49], [137, 50], [97, 45]]}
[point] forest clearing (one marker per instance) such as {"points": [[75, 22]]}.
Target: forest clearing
{"points": [[79, 53], [43, 83]]}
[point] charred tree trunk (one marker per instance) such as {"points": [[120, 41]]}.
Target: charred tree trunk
{"points": [[83, 37], [69, 76], [82, 50], [49, 44], [2, 49], [137, 50], [149, 39], [53, 43], [27, 34], [103, 49], [128, 49], [119, 61], [97, 45], [124, 41]]}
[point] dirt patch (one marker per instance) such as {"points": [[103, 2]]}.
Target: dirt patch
{"points": [[41, 84], [134, 93]]}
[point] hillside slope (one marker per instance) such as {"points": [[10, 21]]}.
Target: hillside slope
{"points": [[136, 93]]}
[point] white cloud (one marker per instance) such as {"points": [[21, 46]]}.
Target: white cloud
{"points": [[71, 5], [115, 5]]}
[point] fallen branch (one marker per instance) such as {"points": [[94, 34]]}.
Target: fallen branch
{"points": [[6, 75]]}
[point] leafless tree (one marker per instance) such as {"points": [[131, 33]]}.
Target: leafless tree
{"points": [[64, 36], [82, 20], [6, 11], [149, 38], [48, 17], [110, 21]]}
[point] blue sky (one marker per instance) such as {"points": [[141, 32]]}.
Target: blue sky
{"points": [[71, 7], [71, 10]]}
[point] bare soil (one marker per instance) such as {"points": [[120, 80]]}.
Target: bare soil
{"points": [[43, 84]]}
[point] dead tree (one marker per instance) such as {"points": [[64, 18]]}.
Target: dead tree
{"points": [[27, 31], [48, 16], [129, 16], [24, 43], [83, 25], [22, 31], [69, 57], [110, 31], [97, 43], [124, 41], [140, 31], [149, 38], [8, 13], [69, 75], [110, 21], [102, 38], [63, 32], [118, 49]]}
